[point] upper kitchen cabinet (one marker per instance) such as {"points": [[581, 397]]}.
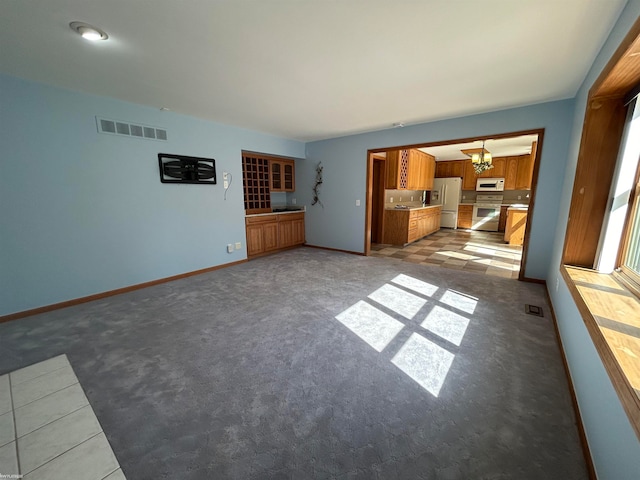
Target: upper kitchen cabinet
{"points": [[449, 168], [498, 170], [511, 173], [524, 175], [397, 169], [410, 170], [282, 175]]}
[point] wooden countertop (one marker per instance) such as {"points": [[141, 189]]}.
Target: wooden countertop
{"points": [[302, 210], [409, 209]]}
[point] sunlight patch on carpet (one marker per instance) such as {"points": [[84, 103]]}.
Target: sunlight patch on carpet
{"points": [[370, 324]]}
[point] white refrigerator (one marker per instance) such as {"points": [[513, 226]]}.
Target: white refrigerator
{"points": [[447, 192]]}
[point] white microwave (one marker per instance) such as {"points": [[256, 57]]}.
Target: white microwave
{"points": [[490, 185]]}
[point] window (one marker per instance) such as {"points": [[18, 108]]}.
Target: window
{"points": [[630, 263], [603, 228]]}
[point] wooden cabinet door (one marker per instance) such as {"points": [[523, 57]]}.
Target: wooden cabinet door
{"points": [[442, 169], [469, 177], [288, 176], [430, 167], [397, 169], [270, 235], [456, 168], [275, 176], [525, 172], [255, 243], [298, 232], [465, 216], [285, 234], [414, 170], [499, 167], [511, 173]]}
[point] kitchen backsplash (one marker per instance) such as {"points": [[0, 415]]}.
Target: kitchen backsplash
{"points": [[412, 198], [510, 196]]}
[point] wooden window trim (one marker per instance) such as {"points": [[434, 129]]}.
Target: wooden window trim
{"points": [[607, 305]]}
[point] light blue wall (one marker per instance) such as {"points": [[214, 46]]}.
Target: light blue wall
{"points": [[340, 224], [83, 212], [614, 445]]}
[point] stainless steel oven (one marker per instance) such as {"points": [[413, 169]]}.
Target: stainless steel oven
{"points": [[486, 213]]}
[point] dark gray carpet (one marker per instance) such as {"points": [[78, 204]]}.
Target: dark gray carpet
{"points": [[245, 373]]}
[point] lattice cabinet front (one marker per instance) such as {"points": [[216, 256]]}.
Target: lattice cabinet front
{"points": [[255, 179]]}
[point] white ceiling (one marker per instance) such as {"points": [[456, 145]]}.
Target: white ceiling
{"points": [[503, 147], [311, 69]]}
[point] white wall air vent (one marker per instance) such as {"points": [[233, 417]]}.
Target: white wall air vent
{"points": [[116, 127]]}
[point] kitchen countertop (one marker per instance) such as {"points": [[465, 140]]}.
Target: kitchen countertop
{"points": [[514, 204], [299, 210], [411, 208]]}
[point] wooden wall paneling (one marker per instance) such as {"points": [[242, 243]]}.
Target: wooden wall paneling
{"points": [[601, 137]]}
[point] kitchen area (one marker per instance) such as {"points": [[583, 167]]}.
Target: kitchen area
{"points": [[478, 195]]}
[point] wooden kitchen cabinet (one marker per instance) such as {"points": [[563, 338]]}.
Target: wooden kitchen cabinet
{"points": [[465, 216], [524, 174], [410, 170], [270, 233], [516, 225], [497, 171], [503, 219], [397, 169], [511, 173], [469, 177], [406, 226], [449, 168], [282, 176]]}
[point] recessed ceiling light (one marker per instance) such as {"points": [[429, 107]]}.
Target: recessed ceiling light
{"points": [[88, 32]]}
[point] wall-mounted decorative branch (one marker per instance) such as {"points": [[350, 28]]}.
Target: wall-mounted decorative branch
{"points": [[316, 186]]}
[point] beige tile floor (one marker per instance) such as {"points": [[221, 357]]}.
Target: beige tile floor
{"points": [[482, 252], [48, 430]]}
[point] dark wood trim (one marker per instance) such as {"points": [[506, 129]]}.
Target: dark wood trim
{"points": [[368, 205], [334, 249], [586, 451], [111, 293], [601, 136], [532, 205], [532, 280], [622, 70]]}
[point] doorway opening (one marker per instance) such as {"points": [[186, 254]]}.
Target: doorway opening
{"points": [[457, 216]]}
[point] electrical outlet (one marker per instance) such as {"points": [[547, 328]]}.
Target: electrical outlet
{"points": [[412, 198], [238, 245], [519, 197], [400, 199], [390, 199], [557, 283], [294, 201], [225, 180], [357, 203], [230, 248]]}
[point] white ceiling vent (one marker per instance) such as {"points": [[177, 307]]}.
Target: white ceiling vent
{"points": [[116, 127]]}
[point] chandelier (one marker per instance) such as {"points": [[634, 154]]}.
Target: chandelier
{"points": [[481, 160]]}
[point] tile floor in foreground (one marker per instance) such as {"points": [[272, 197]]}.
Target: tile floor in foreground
{"points": [[482, 252], [48, 430]]}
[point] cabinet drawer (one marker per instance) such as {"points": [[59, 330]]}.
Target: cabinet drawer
{"points": [[289, 217], [260, 219]]}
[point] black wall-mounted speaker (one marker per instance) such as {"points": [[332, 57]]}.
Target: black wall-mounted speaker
{"points": [[184, 169]]}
